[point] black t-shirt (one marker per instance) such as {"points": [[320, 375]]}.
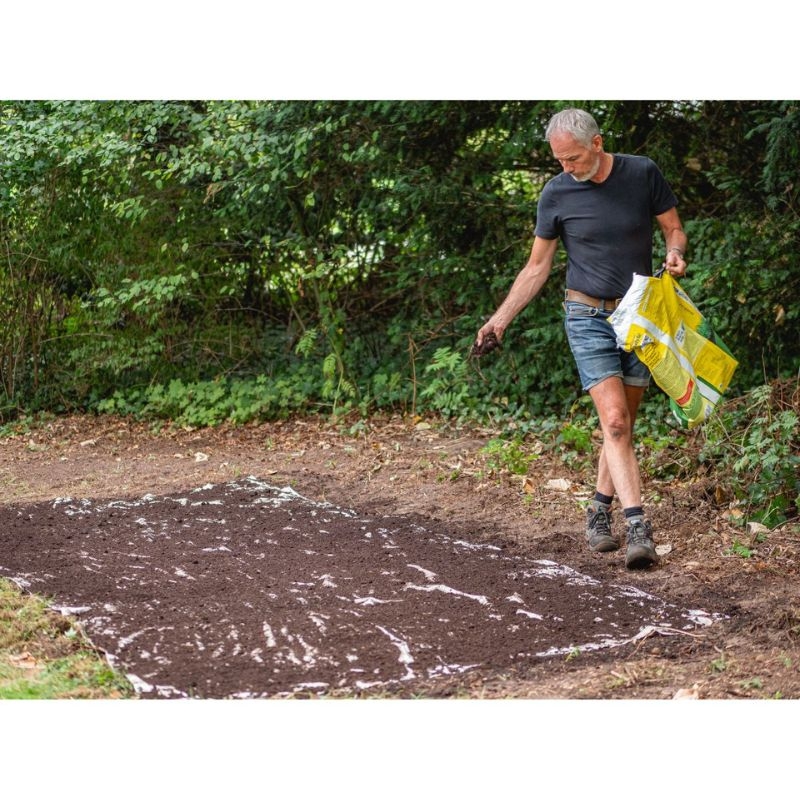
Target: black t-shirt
{"points": [[606, 228]]}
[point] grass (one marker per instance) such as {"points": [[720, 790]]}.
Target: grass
{"points": [[44, 656]]}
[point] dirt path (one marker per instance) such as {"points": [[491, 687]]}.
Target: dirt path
{"points": [[293, 559]]}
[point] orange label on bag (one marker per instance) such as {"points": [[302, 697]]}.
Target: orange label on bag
{"points": [[682, 401]]}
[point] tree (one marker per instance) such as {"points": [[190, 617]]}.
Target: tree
{"points": [[257, 258]]}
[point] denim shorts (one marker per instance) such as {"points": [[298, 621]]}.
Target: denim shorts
{"points": [[594, 347]]}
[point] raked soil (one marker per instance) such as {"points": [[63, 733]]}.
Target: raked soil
{"points": [[303, 559]]}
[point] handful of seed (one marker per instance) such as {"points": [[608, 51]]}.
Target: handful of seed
{"points": [[489, 343]]}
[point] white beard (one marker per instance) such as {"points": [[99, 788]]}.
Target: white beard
{"points": [[589, 175]]}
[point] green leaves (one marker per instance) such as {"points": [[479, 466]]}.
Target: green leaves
{"points": [[349, 250], [446, 391], [148, 295], [756, 443]]}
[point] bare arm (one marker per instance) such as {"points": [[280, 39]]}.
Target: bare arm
{"points": [[526, 286], [675, 241]]}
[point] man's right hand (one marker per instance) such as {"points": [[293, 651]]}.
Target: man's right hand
{"points": [[485, 343]]}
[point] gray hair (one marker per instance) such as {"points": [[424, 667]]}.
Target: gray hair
{"points": [[575, 121]]}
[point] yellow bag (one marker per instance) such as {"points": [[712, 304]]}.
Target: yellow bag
{"points": [[687, 360]]}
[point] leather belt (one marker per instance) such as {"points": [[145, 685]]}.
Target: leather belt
{"points": [[588, 300]]}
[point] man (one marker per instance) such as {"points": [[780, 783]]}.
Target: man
{"points": [[601, 208]]}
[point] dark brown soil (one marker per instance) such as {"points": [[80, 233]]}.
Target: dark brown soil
{"points": [[386, 559]]}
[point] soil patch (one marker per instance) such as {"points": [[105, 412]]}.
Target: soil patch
{"points": [[384, 559], [251, 590]]}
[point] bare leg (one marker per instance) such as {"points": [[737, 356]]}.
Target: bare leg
{"points": [[618, 467]]}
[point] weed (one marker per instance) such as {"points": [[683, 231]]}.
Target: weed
{"points": [[502, 455], [358, 428], [739, 549], [719, 664], [573, 654], [576, 438], [756, 443]]}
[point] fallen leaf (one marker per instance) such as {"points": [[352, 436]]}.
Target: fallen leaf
{"points": [[201, 456], [24, 661], [559, 484], [756, 527]]}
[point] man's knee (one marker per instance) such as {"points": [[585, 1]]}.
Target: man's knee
{"points": [[613, 403], [615, 419], [617, 424]]}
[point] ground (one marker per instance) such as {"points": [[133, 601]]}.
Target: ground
{"points": [[417, 487]]}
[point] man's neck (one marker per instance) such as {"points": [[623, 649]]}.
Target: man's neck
{"points": [[606, 163]]}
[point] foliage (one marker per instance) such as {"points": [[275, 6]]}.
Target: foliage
{"points": [[209, 403], [508, 455], [447, 392], [204, 261], [755, 443]]}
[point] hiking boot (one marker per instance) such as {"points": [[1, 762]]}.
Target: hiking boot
{"points": [[641, 550], [598, 529]]}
